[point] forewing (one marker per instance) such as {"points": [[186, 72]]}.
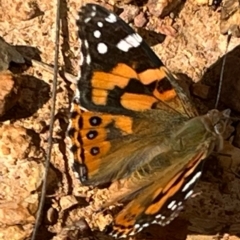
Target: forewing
{"points": [[120, 73]]}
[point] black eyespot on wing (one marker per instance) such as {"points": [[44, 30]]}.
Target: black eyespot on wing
{"points": [[92, 134], [94, 151], [95, 121]]}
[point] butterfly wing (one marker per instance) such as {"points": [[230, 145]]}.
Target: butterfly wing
{"points": [[128, 92], [157, 204], [120, 73], [157, 198]]}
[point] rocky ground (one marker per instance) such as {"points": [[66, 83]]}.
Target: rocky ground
{"points": [[187, 37]]}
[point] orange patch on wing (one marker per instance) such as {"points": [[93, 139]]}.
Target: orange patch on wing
{"points": [[108, 81], [151, 75], [171, 182], [119, 76], [194, 163], [124, 70], [165, 96], [155, 208], [137, 102], [124, 124], [99, 96], [93, 166]]}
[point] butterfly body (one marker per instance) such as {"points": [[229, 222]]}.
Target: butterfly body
{"points": [[132, 123]]}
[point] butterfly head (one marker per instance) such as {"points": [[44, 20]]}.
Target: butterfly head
{"points": [[219, 121]]}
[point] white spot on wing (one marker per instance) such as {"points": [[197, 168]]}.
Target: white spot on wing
{"points": [[136, 226], [86, 20], [180, 203], [81, 59], [174, 207], [188, 194], [88, 59], [97, 34], [131, 233], [111, 18], [102, 48], [193, 180], [170, 205], [133, 40], [124, 46], [100, 24], [145, 225], [138, 37], [167, 222], [159, 222], [86, 44], [180, 208]]}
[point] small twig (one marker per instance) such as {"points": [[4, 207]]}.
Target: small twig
{"points": [[52, 113], [222, 71]]}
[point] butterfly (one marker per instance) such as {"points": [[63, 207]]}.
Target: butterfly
{"points": [[132, 123]]}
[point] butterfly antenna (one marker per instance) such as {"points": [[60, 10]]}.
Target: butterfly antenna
{"points": [[52, 114], [222, 69]]}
